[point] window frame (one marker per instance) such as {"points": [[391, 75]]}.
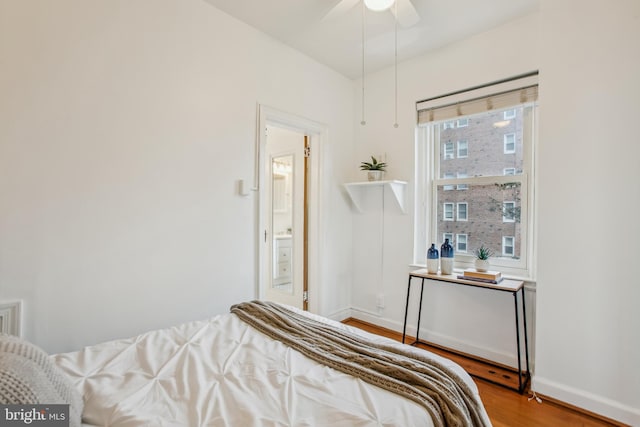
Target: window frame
{"points": [[459, 238], [506, 218], [428, 169], [445, 151], [466, 149], [511, 115], [462, 186], [466, 211], [448, 187], [512, 245], [462, 123], [504, 137], [444, 211]]}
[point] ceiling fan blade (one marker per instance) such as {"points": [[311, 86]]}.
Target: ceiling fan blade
{"points": [[407, 14], [340, 9]]}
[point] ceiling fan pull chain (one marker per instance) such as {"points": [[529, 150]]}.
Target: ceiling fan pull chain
{"points": [[395, 124], [363, 122]]}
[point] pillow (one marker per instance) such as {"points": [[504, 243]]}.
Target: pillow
{"points": [[28, 376]]}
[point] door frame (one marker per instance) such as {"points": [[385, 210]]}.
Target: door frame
{"points": [[317, 133]]}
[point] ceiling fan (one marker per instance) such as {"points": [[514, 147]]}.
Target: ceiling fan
{"points": [[407, 15]]}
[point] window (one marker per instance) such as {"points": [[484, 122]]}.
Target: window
{"points": [[447, 208], [509, 114], [448, 150], [462, 211], [509, 211], [463, 149], [462, 186], [461, 242], [447, 176], [508, 246], [496, 207], [449, 125], [510, 143]]}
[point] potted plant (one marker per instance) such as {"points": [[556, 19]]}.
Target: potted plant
{"points": [[374, 168], [482, 258]]}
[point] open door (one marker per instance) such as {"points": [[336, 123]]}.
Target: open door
{"points": [[285, 234], [309, 138]]}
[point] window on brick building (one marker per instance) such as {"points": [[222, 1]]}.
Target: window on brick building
{"points": [[448, 150], [461, 242], [463, 149], [510, 143], [509, 210], [447, 209], [462, 211], [496, 120], [462, 186], [508, 246], [448, 187]]}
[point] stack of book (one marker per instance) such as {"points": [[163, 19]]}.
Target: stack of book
{"points": [[494, 277]]}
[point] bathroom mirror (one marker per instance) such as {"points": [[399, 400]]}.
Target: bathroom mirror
{"points": [[282, 222]]}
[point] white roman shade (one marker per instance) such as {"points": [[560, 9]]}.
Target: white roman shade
{"points": [[494, 96]]}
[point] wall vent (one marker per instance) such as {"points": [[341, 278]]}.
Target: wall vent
{"points": [[10, 320]]}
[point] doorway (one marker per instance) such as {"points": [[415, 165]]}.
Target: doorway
{"points": [[288, 165], [286, 221]]}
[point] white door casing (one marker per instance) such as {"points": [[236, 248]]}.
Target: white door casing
{"points": [[317, 135]]}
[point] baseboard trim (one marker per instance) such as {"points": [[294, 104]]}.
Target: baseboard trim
{"points": [[340, 315], [446, 341], [592, 404]]}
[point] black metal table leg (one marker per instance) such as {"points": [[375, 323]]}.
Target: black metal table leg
{"points": [[515, 300], [419, 312], [526, 341], [406, 310]]}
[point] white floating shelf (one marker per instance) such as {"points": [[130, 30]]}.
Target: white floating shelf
{"points": [[356, 191]]}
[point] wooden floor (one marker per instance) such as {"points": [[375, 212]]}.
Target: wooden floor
{"points": [[506, 407]]}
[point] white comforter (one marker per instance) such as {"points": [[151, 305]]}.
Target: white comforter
{"points": [[221, 372]]}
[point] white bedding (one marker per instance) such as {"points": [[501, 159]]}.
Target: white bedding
{"points": [[222, 372]]}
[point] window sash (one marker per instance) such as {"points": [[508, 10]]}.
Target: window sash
{"points": [[428, 156]]}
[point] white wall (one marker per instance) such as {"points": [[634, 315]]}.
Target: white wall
{"points": [[468, 319], [586, 326], [124, 129], [588, 320]]}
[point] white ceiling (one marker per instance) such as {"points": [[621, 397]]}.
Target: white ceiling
{"points": [[334, 36]]}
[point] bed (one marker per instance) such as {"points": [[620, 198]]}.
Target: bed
{"points": [[265, 364]]}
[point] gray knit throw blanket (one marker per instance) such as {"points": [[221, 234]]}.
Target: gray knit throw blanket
{"points": [[445, 396], [28, 376]]}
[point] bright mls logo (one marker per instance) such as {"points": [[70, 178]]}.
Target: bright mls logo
{"points": [[34, 415]]}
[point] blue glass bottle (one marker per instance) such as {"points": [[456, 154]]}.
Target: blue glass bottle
{"points": [[446, 254], [432, 259]]}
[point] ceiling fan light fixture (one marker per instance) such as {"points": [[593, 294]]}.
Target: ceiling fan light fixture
{"points": [[378, 5]]}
